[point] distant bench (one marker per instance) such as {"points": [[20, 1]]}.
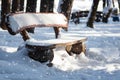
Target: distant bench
{"points": [[42, 50], [78, 14]]}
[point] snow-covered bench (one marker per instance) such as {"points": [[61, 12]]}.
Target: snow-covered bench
{"points": [[42, 50]]}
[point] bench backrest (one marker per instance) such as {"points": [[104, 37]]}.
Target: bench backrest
{"points": [[21, 21], [12, 9]]}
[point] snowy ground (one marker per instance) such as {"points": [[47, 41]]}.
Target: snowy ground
{"points": [[102, 60]]}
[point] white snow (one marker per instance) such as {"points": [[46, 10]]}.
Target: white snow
{"points": [[101, 62], [25, 20], [59, 41]]}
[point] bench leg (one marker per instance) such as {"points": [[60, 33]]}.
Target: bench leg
{"points": [[75, 48], [42, 56], [25, 35], [57, 31]]}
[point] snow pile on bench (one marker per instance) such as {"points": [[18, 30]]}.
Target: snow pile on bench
{"points": [[21, 21], [59, 42]]}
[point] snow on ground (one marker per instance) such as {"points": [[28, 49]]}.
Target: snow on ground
{"points": [[102, 60]]}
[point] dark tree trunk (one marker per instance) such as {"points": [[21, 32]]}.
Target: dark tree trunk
{"points": [[51, 5], [107, 15], [92, 13], [31, 7], [104, 3], [66, 7], [21, 5], [119, 5], [5, 9], [15, 6], [46, 5]]}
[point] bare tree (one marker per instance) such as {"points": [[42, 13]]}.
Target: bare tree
{"points": [[119, 4], [104, 3], [21, 5], [15, 6], [46, 5], [92, 13], [31, 6], [66, 6], [107, 11], [4, 10]]}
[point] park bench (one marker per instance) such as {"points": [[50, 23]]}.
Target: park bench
{"points": [[41, 50], [78, 14]]}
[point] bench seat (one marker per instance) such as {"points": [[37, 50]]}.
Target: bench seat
{"points": [[56, 42], [42, 50], [68, 43]]}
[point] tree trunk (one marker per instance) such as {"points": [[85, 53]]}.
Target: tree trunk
{"points": [[46, 5], [66, 7], [15, 6], [106, 16], [31, 5], [119, 5], [21, 5], [5, 9], [104, 2], [107, 11], [51, 5], [92, 13]]}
